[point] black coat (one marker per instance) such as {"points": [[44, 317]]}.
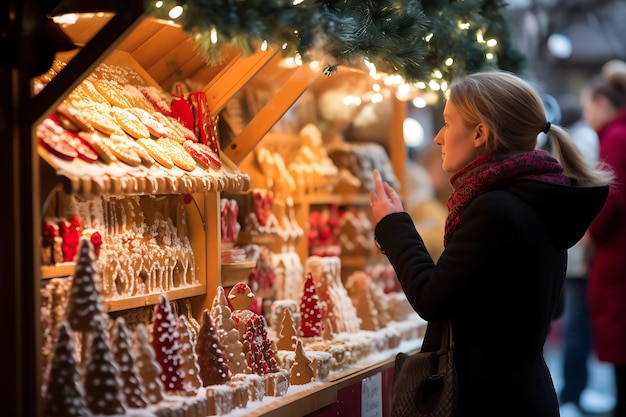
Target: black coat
{"points": [[499, 279]]}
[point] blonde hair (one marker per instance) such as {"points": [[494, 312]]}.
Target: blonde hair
{"points": [[515, 115]]}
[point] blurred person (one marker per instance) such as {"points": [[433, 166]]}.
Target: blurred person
{"points": [[604, 109], [510, 222], [575, 322]]}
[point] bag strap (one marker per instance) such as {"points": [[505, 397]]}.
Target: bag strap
{"points": [[438, 339], [438, 336]]}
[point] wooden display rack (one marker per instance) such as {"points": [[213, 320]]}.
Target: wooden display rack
{"points": [[106, 36]]}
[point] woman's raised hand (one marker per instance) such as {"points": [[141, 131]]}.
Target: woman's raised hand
{"points": [[383, 199]]}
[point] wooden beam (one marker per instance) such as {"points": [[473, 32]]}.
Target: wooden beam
{"points": [[232, 77], [278, 105]]}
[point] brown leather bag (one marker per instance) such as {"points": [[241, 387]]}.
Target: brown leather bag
{"points": [[424, 383]]}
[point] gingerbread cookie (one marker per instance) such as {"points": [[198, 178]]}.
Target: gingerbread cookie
{"points": [[159, 99], [155, 127], [88, 91], [156, 151], [130, 123], [103, 122], [136, 98], [202, 153], [103, 150], [172, 132], [75, 117], [111, 92], [122, 149], [51, 139], [177, 153]]}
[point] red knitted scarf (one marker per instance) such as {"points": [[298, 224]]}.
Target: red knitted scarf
{"points": [[492, 171]]}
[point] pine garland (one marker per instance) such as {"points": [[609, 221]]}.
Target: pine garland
{"points": [[418, 40]]}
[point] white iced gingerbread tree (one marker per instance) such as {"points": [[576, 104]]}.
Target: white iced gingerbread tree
{"points": [[228, 334], [85, 302], [102, 388], [121, 345], [63, 394], [188, 353], [147, 366]]}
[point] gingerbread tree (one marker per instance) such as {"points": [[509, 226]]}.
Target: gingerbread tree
{"points": [[228, 334], [192, 323], [301, 371], [364, 295], [328, 330], [260, 355], [287, 333], [147, 366], [102, 389], [63, 395], [187, 351], [310, 309], [330, 316], [213, 368], [166, 346], [364, 310], [85, 302], [122, 351], [252, 331]]}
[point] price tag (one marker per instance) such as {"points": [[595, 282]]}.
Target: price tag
{"points": [[372, 396]]}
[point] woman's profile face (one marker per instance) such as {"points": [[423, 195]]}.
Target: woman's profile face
{"points": [[597, 111], [458, 140]]}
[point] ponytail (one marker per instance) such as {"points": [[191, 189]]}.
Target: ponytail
{"points": [[574, 164]]}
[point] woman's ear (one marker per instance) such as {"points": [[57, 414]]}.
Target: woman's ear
{"points": [[481, 135]]}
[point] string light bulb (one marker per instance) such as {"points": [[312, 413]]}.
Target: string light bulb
{"points": [[175, 12]]}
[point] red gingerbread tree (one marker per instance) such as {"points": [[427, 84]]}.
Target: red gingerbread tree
{"points": [[252, 329], [312, 322], [260, 354], [211, 356], [166, 346]]}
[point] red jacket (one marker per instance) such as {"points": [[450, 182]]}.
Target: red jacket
{"points": [[607, 275]]}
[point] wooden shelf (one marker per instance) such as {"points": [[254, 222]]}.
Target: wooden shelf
{"points": [[151, 299], [233, 273], [308, 401], [338, 199], [57, 271], [67, 269]]}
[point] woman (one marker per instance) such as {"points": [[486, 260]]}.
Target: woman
{"points": [[604, 109], [513, 213]]}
